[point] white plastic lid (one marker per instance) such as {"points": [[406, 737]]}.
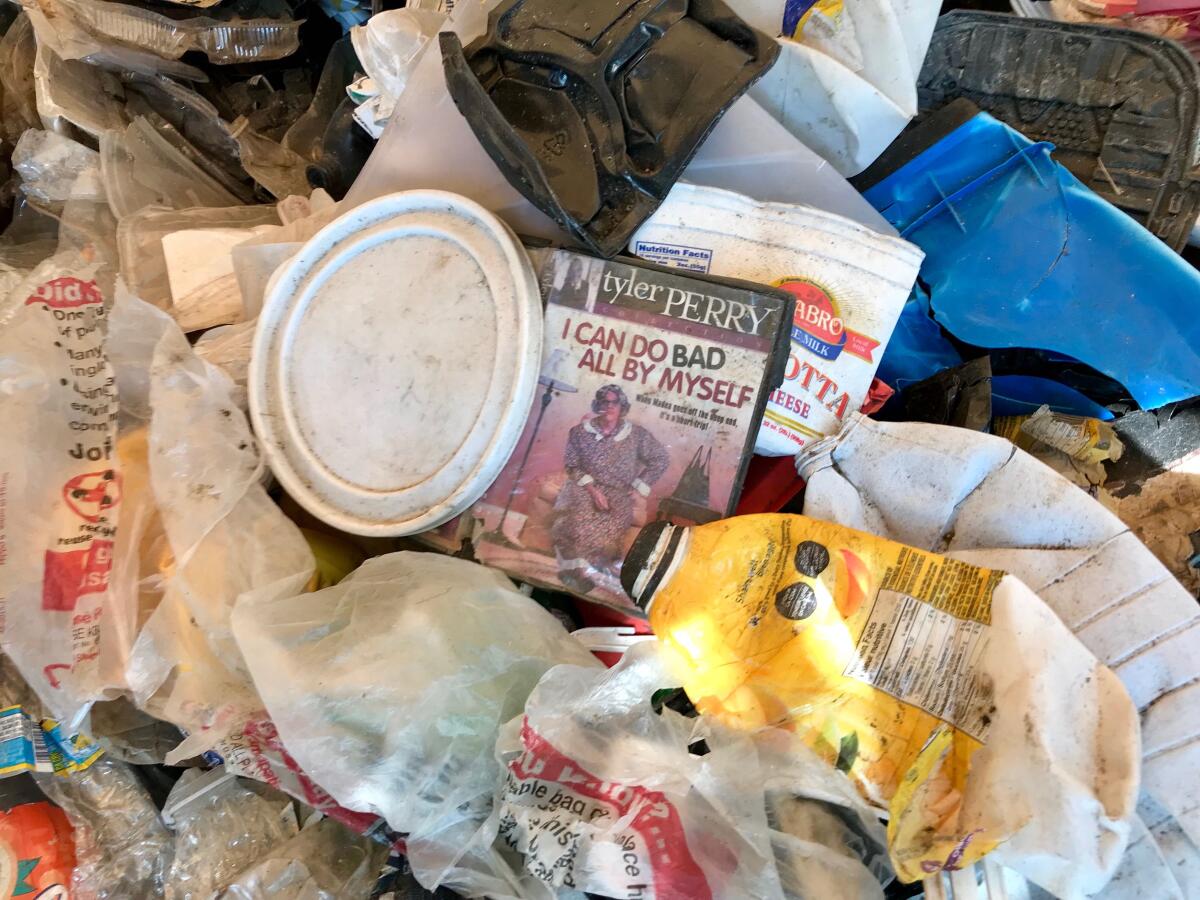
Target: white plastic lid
{"points": [[395, 362]]}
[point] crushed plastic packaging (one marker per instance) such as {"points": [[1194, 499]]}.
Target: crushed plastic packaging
{"points": [[54, 168], [141, 169], [1074, 270], [846, 80], [181, 260], [984, 501], [408, 736], [70, 91], [122, 849], [222, 826], [231, 38]]}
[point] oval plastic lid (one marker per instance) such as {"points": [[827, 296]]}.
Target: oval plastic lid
{"points": [[395, 362]]}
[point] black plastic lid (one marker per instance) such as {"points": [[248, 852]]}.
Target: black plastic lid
{"points": [[641, 558]]}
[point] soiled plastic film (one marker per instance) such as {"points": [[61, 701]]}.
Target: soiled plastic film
{"points": [[54, 168], [325, 861]]}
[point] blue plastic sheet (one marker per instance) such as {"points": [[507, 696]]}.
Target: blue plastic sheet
{"points": [[1023, 395], [1020, 254]]}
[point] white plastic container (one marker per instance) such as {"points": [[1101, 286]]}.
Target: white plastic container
{"points": [[395, 361], [850, 284]]}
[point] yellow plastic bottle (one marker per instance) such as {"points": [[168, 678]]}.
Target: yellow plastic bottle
{"points": [[866, 648]]}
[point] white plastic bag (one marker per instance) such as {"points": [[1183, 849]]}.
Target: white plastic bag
{"points": [[62, 492], [388, 688], [388, 48], [845, 81], [602, 795], [978, 498]]}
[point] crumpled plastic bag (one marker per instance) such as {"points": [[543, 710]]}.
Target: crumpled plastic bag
{"points": [[388, 689], [845, 83], [325, 861], [388, 47], [138, 479], [60, 623], [601, 794], [221, 534], [221, 828], [978, 498], [122, 848]]}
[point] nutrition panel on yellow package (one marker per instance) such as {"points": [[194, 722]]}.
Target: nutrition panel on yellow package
{"points": [[861, 645]]}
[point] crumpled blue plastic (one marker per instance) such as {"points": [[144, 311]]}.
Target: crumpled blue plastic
{"points": [[1019, 253]]}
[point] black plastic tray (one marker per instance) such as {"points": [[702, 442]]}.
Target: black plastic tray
{"points": [[592, 108], [1121, 107]]}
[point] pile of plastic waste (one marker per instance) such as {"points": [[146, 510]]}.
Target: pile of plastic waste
{"points": [[525, 449]]}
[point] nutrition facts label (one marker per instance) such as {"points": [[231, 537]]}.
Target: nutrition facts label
{"points": [[925, 657]]}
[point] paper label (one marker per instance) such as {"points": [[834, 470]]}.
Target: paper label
{"points": [[26, 746], [576, 831], [691, 259], [926, 657]]}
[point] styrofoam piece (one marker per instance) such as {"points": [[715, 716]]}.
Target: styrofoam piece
{"points": [[850, 284], [395, 362], [429, 144]]}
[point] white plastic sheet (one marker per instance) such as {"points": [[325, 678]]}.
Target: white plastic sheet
{"points": [[845, 81], [978, 498]]}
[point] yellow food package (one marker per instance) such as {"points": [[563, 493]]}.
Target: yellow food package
{"points": [[866, 648]]}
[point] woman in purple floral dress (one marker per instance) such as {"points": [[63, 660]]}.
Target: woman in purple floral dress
{"points": [[608, 459]]}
